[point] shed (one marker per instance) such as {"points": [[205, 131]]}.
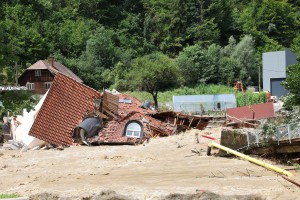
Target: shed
{"points": [[197, 104]]}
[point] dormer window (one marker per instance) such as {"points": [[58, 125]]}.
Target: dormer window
{"points": [[37, 72], [134, 129]]}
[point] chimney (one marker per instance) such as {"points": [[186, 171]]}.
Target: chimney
{"points": [[51, 61]]}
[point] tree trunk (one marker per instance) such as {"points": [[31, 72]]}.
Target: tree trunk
{"points": [[154, 95]]}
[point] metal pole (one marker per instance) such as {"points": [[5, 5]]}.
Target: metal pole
{"points": [[250, 159]]}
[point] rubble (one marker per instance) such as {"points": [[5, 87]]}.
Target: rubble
{"points": [[12, 145], [125, 120]]}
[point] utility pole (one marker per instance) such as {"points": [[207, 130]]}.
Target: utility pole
{"points": [[16, 72], [258, 78]]}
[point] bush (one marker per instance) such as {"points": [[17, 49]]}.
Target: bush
{"points": [[250, 98]]}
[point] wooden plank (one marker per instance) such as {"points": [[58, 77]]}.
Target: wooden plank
{"points": [[198, 123], [191, 123], [290, 180], [110, 103], [110, 113]]}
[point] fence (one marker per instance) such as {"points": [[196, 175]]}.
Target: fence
{"points": [[288, 132]]}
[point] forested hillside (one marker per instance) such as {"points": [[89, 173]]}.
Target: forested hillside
{"points": [[147, 44]]}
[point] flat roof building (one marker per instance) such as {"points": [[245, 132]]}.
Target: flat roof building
{"points": [[274, 70]]}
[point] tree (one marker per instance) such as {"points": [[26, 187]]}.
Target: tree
{"points": [[244, 54], [16, 101], [292, 84], [199, 65], [190, 62], [100, 55], [223, 14], [275, 19], [153, 73]]}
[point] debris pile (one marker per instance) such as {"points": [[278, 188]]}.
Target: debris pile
{"points": [[57, 118]]}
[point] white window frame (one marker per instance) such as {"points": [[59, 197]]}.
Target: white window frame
{"points": [[30, 86], [134, 129], [47, 85], [38, 72]]}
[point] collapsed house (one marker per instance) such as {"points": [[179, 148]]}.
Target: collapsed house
{"points": [[126, 120]]}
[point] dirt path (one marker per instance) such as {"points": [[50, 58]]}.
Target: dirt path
{"points": [[158, 168]]}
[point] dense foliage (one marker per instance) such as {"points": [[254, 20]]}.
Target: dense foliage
{"points": [[292, 83], [15, 101], [204, 41]]}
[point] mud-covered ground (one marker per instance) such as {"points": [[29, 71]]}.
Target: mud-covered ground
{"points": [[163, 168]]}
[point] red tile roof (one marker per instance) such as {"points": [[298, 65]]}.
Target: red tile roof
{"points": [[64, 107], [114, 130], [135, 105], [256, 112]]}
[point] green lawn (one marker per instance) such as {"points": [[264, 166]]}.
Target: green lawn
{"points": [[6, 196]]}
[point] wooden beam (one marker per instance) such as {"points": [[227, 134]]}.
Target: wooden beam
{"points": [[191, 123]]}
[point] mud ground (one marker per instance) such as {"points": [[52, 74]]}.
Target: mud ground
{"points": [[163, 168]]}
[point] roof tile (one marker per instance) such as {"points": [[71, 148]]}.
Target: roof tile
{"points": [[65, 105]]}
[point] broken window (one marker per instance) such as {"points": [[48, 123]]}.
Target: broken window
{"points": [[134, 129]]}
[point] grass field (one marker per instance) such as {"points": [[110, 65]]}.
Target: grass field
{"points": [[243, 99]]}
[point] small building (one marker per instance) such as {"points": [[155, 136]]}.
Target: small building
{"points": [[39, 77], [274, 70], [198, 104]]}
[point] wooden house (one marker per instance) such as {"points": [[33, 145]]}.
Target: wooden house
{"points": [[39, 77]]}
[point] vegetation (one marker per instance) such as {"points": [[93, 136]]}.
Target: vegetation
{"points": [[292, 84], [6, 196], [250, 98], [106, 42], [167, 96], [15, 101], [242, 99], [153, 73]]}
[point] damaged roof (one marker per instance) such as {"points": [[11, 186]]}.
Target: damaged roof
{"points": [[252, 112], [66, 104], [69, 101]]}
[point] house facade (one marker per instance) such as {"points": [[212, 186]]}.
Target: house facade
{"points": [[39, 77], [274, 70]]}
